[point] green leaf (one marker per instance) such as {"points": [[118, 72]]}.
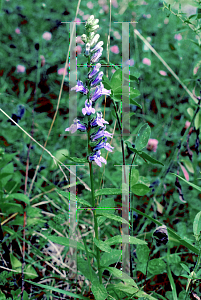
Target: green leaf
{"points": [[77, 160], [116, 80], [99, 291], [16, 264], [30, 272], [131, 148], [190, 112], [60, 155], [108, 191], [106, 205], [134, 176], [188, 165], [65, 242], [19, 196], [149, 158], [142, 137], [51, 288], [106, 83], [156, 266], [134, 74], [197, 225], [117, 239], [185, 268], [111, 258], [197, 121], [73, 197], [142, 252], [189, 183], [126, 288], [102, 245], [112, 217], [122, 275], [140, 189]]}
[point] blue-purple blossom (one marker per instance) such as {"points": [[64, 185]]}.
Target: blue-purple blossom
{"points": [[97, 47], [97, 158], [96, 55], [97, 79], [100, 133], [102, 144], [80, 88], [95, 70], [88, 108], [99, 121], [100, 90], [77, 125]]}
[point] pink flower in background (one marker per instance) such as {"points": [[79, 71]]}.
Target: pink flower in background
{"points": [[90, 5], [113, 70], [79, 40], [114, 49], [101, 2], [106, 8], [47, 36], [78, 21], [17, 30], [80, 12], [152, 145], [178, 37], [114, 3], [187, 124], [42, 60], [20, 69], [130, 62], [163, 73], [61, 71], [146, 61], [85, 17], [147, 16], [78, 48], [166, 21], [117, 35]]}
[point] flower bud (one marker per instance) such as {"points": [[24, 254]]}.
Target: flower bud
{"points": [[84, 38], [92, 28], [87, 49], [95, 40], [90, 20]]}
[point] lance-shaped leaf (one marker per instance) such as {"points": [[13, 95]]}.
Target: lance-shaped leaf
{"points": [[149, 158], [142, 137]]}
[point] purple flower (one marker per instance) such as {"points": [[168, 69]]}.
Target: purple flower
{"points": [[88, 108], [100, 133], [97, 79], [95, 70], [76, 126], [100, 90], [97, 158], [99, 121], [105, 145], [97, 47], [97, 55], [80, 88]]}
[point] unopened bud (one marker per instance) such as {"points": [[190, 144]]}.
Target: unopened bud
{"points": [[94, 40], [87, 49], [84, 38]]}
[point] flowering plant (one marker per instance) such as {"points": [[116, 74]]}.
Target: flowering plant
{"points": [[93, 51]]}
